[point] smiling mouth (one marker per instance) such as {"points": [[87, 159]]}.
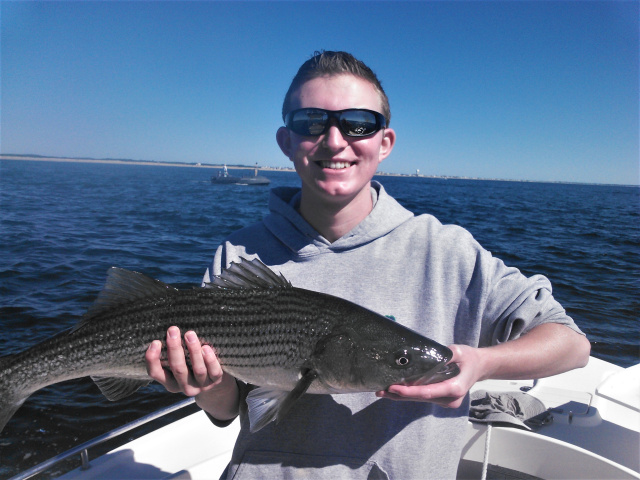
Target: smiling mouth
{"points": [[334, 165]]}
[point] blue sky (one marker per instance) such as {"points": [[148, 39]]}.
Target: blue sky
{"points": [[534, 90]]}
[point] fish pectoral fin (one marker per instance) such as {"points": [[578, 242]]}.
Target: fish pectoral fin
{"points": [[267, 404], [301, 387], [117, 388]]}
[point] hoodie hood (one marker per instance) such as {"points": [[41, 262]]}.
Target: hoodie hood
{"points": [[285, 223]]}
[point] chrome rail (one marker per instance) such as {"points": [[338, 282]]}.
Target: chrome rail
{"points": [[83, 449]]}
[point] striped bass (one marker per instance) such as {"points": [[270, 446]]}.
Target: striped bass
{"points": [[285, 340]]}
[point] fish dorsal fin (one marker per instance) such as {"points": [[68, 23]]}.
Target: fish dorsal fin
{"points": [[123, 286], [249, 274]]}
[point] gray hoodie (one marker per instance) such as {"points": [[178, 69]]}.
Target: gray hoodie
{"points": [[433, 278]]}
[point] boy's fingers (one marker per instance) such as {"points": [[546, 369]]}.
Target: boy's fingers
{"points": [[198, 367], [214, 370], [155, 369], [176, 357]]}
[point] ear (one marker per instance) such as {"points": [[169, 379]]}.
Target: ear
{"points": [[388, 141], [283, 137]]}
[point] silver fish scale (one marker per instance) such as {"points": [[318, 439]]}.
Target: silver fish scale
{"points": [[248, 328], [264, 328]]}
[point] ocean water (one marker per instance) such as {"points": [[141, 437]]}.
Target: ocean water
{"points": [[62, 225]]}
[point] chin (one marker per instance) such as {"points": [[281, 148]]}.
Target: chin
{"points": [[340, 190]]}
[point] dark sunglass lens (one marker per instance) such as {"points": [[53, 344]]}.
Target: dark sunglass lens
{"points": [[308, 122], [358, 123]]}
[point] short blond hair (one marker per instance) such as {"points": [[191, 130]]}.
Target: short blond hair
{"points": [[335, 63]]}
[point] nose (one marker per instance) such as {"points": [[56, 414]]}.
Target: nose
{"points": [[333, 137]]}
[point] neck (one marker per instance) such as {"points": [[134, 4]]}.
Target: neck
{"points": [[334, 219]]}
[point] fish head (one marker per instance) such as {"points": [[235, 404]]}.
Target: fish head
{"points": [[421, 365], [378, 353]]}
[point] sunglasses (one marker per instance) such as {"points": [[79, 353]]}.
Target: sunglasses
{"points": [[353, 122]]}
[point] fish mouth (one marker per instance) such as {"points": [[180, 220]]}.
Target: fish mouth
{"points": [[438, 374]]}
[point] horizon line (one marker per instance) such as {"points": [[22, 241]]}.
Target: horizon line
{"points": [[120, 161]]}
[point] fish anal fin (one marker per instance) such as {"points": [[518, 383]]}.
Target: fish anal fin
{"points": [[267, 404], [117, 388]]}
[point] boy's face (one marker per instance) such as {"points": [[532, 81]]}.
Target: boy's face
{"points": [[334, 167]]}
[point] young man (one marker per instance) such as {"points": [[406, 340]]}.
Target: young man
{"points": [[344, 235]]}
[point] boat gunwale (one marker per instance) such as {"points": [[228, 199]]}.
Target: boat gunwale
{"points": [[83, 448]]}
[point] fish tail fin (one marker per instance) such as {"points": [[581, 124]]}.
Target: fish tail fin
{"points": [[10, 399], [7, 409]]}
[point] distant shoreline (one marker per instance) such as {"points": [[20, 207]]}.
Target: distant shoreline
{"points": [[150, 163], [32, 158]]}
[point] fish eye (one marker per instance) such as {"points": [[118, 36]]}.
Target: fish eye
{"points": [[403, 358]]}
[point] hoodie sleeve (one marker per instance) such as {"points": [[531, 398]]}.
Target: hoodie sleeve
{"points": [[216, 265], [224, 256], [516, 304]]}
